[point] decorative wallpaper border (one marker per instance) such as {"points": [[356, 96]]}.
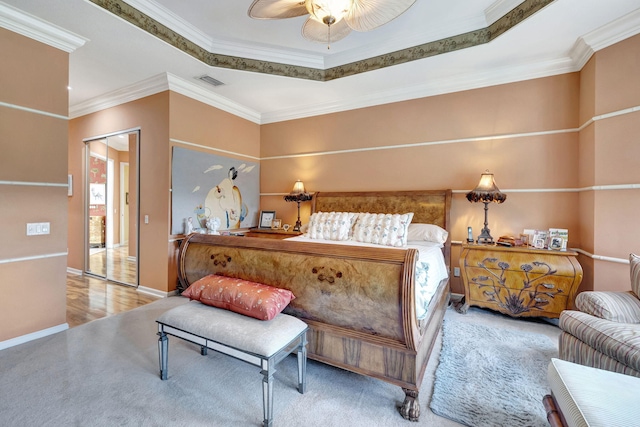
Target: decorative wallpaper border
{"points": [[439, 47]]}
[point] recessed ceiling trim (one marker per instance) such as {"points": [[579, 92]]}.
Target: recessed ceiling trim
{"points": [[500, 8], [450, 44], [35, 28], [496, 76]]}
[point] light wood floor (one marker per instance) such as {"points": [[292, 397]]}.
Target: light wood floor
{"points": [[119, 267], [89, 298]]}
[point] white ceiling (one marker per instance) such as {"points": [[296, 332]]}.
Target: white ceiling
{"points": [[119, 62]]}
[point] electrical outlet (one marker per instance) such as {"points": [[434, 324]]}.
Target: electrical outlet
{"points": [[456, 271]]}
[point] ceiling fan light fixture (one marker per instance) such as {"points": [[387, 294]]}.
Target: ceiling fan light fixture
{"points": [[328, 12], [331, 20]]}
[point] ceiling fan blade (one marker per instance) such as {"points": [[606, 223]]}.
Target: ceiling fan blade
{"points": [[366, 15], [319, 32], [277, 9]]}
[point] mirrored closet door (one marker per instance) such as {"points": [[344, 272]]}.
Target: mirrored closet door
{"points": [[112, 207]]}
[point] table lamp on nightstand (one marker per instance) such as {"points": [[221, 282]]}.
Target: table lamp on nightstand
{"points": [[487, 191], [298, 194]]}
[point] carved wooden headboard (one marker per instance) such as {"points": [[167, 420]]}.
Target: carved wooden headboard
{"points": [[428, 206]]}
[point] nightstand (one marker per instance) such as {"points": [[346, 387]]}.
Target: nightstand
{"points": [[519, 281], [271, 233]]}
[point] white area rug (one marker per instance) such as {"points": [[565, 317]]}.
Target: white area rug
{"points": [[489, 376]]}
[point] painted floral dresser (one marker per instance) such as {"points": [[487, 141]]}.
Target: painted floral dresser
{"points": [[519, 281]]}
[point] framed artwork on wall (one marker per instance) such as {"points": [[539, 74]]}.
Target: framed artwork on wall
{"points": [[205, 186]]}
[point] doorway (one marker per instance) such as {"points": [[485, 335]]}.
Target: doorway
{"points": [[111, 206]]}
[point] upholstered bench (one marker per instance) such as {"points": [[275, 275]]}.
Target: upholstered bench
{"points": [[586, 396], [261, 343]]}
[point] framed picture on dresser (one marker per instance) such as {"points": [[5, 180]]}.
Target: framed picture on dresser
{"points": [[266, 218]]}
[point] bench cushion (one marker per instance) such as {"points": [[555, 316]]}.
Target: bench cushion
{"points": [[593, 397], [233, 329], [242, 296]]}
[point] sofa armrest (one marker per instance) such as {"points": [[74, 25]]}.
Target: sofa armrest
{"points": [[622, 307]]}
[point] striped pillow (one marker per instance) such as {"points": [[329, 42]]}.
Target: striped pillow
{"points": [[622, 307]]}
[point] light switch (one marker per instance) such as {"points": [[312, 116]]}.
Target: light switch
{"points": [[38, 228], [146, 219]]}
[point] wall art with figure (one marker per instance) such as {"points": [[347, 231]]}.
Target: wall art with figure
{"points": [[206, 186]]}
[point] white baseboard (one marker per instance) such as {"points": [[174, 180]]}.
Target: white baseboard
{"points": [[33, 336], [155, 292], [74, 271]]}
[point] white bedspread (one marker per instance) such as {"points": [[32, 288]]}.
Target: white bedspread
{"points": [[430, 271]]}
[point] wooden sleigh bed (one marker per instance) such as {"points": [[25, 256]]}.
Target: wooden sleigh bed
{"points": [[359, 302]]}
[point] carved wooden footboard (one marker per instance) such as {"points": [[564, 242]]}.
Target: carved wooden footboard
{"points": [[359, 302]]}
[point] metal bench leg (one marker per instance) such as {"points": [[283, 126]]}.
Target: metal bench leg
{"points": [[163, 354], [267, 394], [302, 364]]}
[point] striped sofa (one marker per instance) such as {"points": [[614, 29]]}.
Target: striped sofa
{"points": [[605, 332]]}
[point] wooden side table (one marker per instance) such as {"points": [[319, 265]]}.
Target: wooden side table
{"points": [[519, 281], [271, 233]]}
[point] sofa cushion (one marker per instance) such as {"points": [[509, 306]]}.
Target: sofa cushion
{"points": [[620, 341], [241, 296], [623, 307]]}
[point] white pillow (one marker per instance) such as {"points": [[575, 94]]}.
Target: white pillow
{"points": [[428, 232], [331, 225], [382, 229]]}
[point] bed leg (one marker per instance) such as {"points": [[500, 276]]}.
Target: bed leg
{"points": [[410, 409]]}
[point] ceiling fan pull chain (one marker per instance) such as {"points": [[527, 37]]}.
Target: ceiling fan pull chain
{"points": [[328, 36]]}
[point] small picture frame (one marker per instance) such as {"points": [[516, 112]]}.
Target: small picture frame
{"points": [[556, 243], [276, 223], [266, 219], [286, 227]]}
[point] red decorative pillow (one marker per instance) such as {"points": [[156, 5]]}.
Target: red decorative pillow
{"points": [[252, 299]]}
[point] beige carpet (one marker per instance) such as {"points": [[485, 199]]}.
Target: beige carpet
{"points": [[105, 373]]}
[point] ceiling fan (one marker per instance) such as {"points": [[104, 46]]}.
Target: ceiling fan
{"points": [[331, 20]]}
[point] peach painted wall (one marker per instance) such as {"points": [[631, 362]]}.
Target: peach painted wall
{"points": [[616, 148], [162, 119], [151, 115], [200, 127], [33, 177], [441, 142]]}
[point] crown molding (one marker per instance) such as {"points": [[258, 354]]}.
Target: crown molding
{"points": [[450, 84], [144, 88], [614, 32], [172, 21], [498, 9], [223, 47], [605, 36], [35, 28], [583, 49], [193, 91], [396, 44], [157, 84]]}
